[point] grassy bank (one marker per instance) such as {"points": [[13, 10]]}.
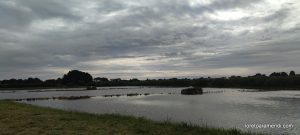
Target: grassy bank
{"points": [[23, 119]]}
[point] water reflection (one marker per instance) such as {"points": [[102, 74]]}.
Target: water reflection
{"points": [[226, 108]]}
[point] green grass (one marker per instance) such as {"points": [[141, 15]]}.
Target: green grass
{"points": [[23, 119]]}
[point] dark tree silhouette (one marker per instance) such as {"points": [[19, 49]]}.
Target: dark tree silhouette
{"points": [[276, 80], [292, 73], [278, 74], [76, 77]]}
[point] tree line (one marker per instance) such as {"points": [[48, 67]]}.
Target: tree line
{"points": [[74, 78]]}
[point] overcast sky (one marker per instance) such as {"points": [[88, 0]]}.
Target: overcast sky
{"points": [[148, 38]]}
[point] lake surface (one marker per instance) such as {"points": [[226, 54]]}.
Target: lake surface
{"points": [[218, 107]]}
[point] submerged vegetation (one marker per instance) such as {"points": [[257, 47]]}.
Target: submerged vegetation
{"points": [[192, 91], [91, 88], [81, 97], [17, 118], [48, 98], [75, 78]]}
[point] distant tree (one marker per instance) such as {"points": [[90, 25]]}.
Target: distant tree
{"points": [[33, 81], [279, 80], [292, 73], [76, 77], [134, 80], [259, 75], [51, 81], [233, 77], [274, 74], [116, 80], [279, 74], [284, 74]]}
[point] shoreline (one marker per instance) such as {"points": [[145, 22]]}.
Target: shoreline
{"points": [[262, 89]]}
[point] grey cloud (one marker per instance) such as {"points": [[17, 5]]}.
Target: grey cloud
{"points": [[277, 54], [230, 4], [278, 16], [13, 17], [50, 8], [161, 36], [108, 6]]}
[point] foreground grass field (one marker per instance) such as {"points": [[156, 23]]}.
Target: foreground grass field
{"points": [[23, 119]]}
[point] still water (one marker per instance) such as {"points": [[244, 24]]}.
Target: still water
{"points": [[218, 107]]}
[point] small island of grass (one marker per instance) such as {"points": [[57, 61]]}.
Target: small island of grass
{"points": [[18, 118], [192, 91]]}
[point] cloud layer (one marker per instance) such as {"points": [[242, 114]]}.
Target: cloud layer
{"points": [[148, 39]]}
